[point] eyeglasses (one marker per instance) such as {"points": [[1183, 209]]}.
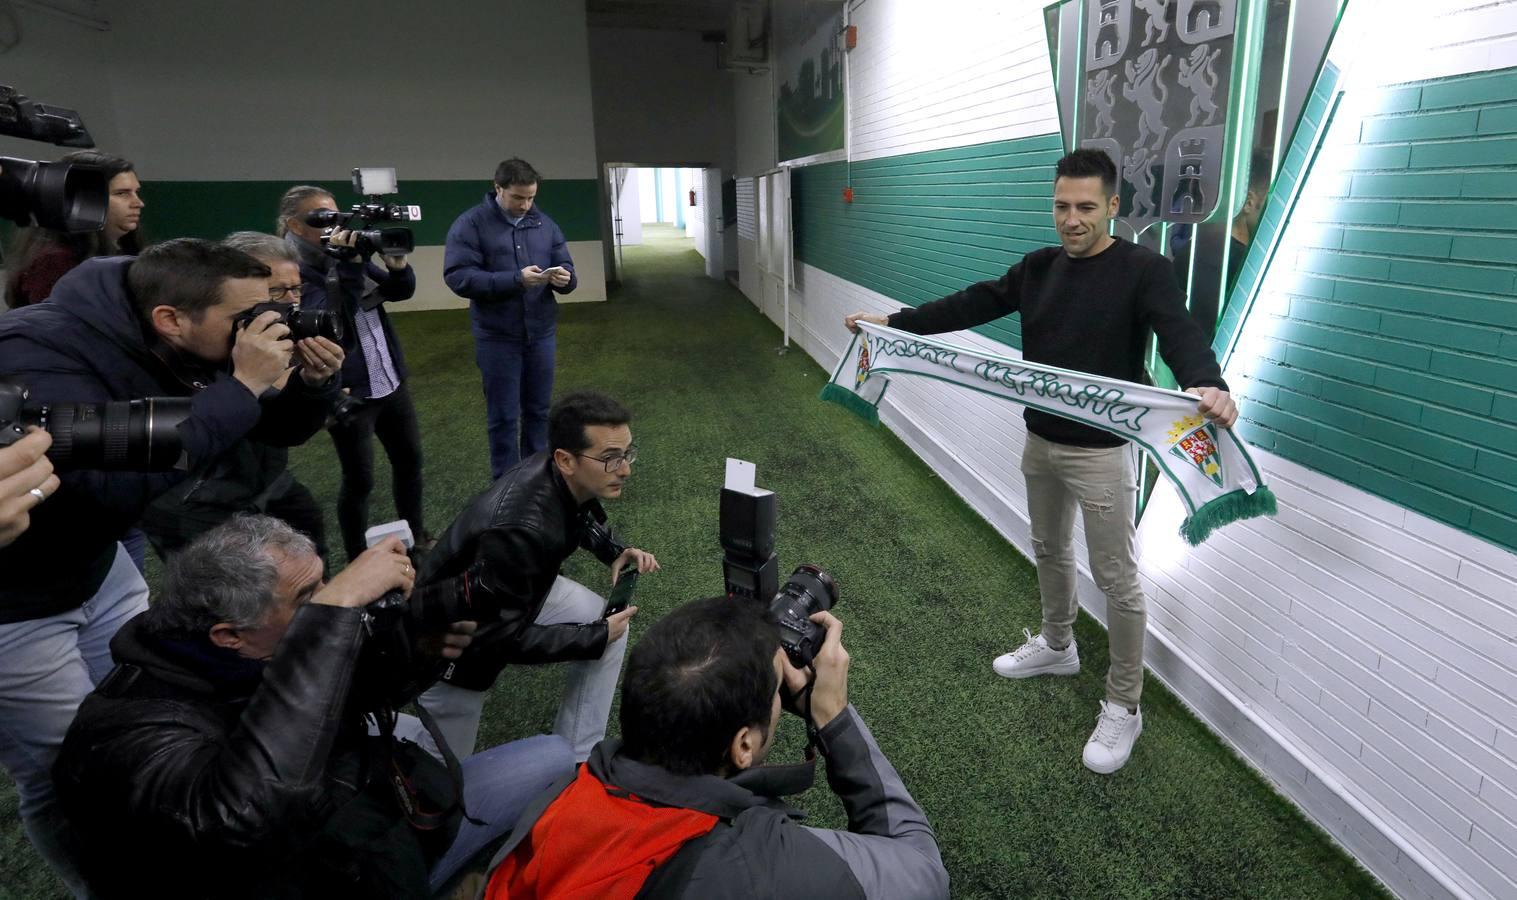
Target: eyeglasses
{"points": [[614, 461], [279, 293]]}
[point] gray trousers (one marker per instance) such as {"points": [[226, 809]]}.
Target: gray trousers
{"points": [[586, 703], [1101, 484]]}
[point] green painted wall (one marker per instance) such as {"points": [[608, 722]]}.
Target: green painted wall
{"points": [[1393, 363], [923, 225], [212, 209]]}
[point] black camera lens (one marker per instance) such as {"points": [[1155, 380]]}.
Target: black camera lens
{"points": [[384, 241], [63, 196], [309, 323], [121, 436], [808, 591]]}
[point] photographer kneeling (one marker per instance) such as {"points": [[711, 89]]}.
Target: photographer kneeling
{"points": [[246, 746], [681, 806]]}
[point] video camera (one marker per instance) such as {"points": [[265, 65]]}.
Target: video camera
{"points": [[64, 196], [119, 436], [372, 183], [750, 569]]}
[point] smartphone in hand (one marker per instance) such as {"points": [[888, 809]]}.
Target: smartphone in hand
{"points": [[621, 592]]}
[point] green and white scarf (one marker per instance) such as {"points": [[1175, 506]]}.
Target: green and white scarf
{"points": [[1209, 467]]}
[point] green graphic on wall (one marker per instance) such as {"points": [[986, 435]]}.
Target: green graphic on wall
{"points": [[810, 113]]}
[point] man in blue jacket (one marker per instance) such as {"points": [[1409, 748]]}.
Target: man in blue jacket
{"points": [[509, 259], [123, 328]]}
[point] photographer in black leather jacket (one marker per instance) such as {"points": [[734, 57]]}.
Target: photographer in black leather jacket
{"points": [[520, 531], [246, 743]]}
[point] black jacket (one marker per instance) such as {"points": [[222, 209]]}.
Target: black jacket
{"points": [[191, 772], [520, 531], [365, 285], [86, 344], [759, 849], [1090, 314]]}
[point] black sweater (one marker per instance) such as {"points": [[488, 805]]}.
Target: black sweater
{"points": [[1090, 314]]}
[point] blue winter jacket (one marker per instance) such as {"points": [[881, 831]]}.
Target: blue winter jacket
{"points": [[86, 344], [483, 263]]}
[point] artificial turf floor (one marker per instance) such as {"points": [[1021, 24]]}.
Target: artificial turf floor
{"points": [[930, 594]]}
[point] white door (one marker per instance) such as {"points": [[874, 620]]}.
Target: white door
{"points": [[774, 246]]}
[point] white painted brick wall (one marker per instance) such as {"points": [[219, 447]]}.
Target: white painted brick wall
{"points": [[1362, 656]]}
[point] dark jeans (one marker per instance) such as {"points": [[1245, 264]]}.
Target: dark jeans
{"points": [[393, 420], [518, 379]]}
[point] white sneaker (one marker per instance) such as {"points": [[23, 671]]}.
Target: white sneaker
{"points": [[1037, 658], [1111, 743]]}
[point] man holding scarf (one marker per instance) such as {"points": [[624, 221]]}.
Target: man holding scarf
{"points": [[1087, 305]]}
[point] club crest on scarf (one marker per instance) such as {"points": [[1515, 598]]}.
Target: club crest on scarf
{"points": [[1194, 440], [863, 370]]}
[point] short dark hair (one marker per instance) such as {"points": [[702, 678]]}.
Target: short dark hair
{"points": [[572, 413], [1259, 174], [1088, 163], [696, 677], [516, 171], [187, 274]]}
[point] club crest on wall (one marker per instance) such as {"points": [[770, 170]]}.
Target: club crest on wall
{"points": [[1155, 99]]}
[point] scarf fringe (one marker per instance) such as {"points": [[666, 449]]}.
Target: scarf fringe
{"points": [[852, 402], [1230, 507]]}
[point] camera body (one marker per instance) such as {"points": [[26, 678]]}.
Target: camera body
{"points": [[63, 196], [361, 218], [303, 323], [471, 597], [119, 436], [808, 591]]}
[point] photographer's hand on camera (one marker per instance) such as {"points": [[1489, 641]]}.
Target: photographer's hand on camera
{"points": [[261, 353], [26, 479], [829, 692], [319, 359], [382, 568]]}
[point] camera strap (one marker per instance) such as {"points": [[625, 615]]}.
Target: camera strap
{"points": [[814, 742], [407, 796]]}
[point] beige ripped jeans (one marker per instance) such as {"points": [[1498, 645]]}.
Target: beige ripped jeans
{"points": [[1100, 483]]}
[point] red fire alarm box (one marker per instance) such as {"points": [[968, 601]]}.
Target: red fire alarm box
{"points": [[847, 195], [692, 196], [851, 37]]}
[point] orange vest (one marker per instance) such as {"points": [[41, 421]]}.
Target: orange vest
{"points": [[594, 842]]}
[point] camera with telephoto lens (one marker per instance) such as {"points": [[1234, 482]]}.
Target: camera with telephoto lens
{"points": [[303, 323], [372, 183], [118, 436], [750, 571], [70, 197]]}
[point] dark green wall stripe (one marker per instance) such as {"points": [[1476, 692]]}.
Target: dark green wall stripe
{"points": [[211, 209], [1394, 366], [923, 225]]}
